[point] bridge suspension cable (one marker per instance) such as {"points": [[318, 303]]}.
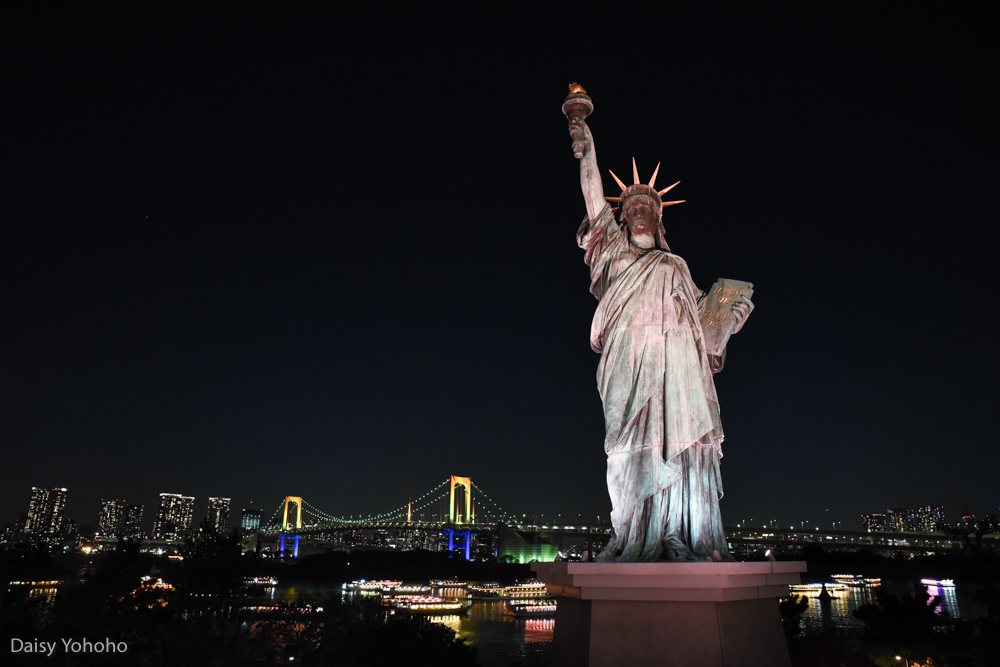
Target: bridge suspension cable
{"points": [[277, 513], [439, 493], [384, 516], [500, 512], [435, 499]]}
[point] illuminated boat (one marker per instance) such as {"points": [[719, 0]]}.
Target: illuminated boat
{"points": [[537, 608], [422, 604], [855, 580], [941, 583], [260, 581], [371, 586], [815, 588], [529, 589], [448, 583], [406, 590], [489, 590]]}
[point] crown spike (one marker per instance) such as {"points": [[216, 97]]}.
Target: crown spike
{"points": [[615, 208], [671, 203], [611, 198], [618, 180], [666, 190], [655, 172], [635, 173]]}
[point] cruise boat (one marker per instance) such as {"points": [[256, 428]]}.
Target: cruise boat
{"points": [[489, 590], [405, 590], [422, 604], [815, 588], [371, 586], [260, 581], [529, 589], [537, 608], [941, 583], [448, 583], [855, 580]]}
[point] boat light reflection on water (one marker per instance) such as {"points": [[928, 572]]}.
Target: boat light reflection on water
{"points": [[944, 591]]}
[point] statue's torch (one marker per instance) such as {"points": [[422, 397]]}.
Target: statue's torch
{"points": [[577, 106]]}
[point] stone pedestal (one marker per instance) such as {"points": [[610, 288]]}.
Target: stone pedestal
{"points": [[666, 614]]}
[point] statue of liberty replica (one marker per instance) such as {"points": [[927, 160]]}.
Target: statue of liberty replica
{"points": [[661, 340]]}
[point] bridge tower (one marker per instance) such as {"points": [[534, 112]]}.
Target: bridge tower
{"points": [[298, 514], [467, 484]]}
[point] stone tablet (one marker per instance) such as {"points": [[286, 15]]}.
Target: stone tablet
{"points": [[718, 321]]}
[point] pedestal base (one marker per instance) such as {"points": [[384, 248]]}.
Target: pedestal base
{"points": [[665, 614]]}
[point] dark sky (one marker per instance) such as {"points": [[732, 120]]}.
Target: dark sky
{"points": [[332, 254]]}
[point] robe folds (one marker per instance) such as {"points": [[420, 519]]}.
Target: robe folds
{"points": [[663, 431]]}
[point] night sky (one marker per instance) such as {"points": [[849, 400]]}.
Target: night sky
{"points": [[332, 254]]}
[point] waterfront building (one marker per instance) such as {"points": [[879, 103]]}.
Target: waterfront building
{"points": [[43, 525], [250, 521], [173, 517], [218, 514], [515, 548], [110, 518], [132, 528]]}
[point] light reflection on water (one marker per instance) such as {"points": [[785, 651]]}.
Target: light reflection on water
{"points": [[47, 592], [839, 611], [502, 640]]}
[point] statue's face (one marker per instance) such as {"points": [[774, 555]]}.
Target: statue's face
{"points": [[640, 216]]}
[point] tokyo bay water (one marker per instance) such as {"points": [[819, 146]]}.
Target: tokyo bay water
{"points": [[502, 641]]}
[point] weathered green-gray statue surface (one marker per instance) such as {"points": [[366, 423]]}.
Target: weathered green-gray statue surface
{"points": [[661, 411]]}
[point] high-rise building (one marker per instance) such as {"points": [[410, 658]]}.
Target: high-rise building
{"points": [[873, 523], [44, 520], [929, 519], [218, 514], [132, 528], [926, 519], [173, 517], [110, 518], [902, 520], [20, 521], [251, 520]]}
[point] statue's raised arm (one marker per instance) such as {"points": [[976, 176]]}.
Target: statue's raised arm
{"points": [[577, 107]]}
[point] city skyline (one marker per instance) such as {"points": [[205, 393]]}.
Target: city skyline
{"points": [[306, 252], [127, 517]]}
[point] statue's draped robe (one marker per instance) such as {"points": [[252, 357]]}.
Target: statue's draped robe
{"points": [[661, 411]]}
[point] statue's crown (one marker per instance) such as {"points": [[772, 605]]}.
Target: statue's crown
{"points": [[645, 189]]}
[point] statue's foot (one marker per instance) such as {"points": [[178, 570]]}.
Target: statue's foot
{"points": [[608, 555], [676, 551]]}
